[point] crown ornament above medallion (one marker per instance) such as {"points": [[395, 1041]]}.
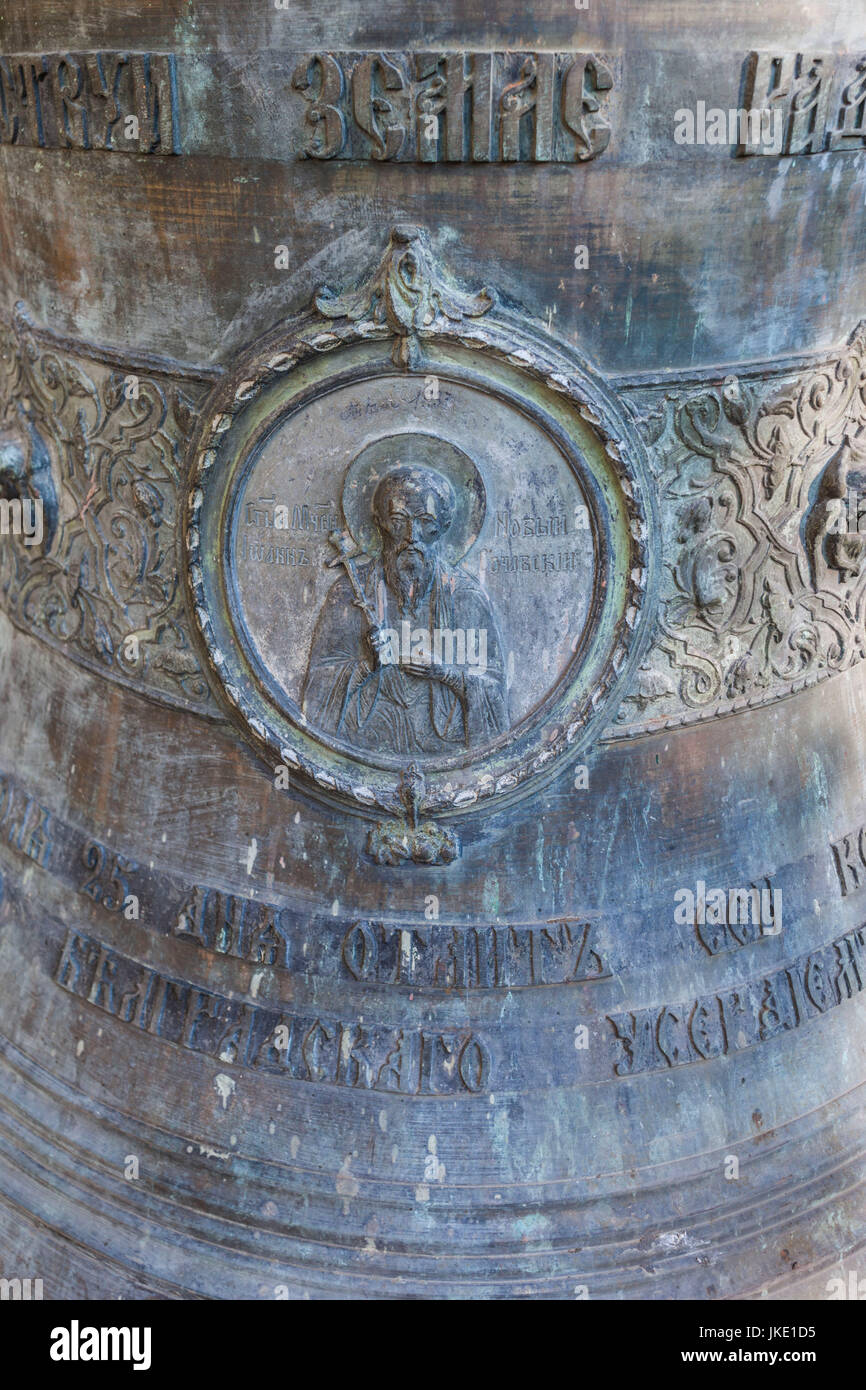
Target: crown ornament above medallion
{"points": [[406, 293]]}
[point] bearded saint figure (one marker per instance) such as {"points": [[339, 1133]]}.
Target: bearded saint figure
{"points": [[378, 676]]}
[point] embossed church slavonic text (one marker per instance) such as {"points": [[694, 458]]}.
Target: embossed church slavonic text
{"points": [[417, 107], [304, 1047], [822, 98], [746, 1014], [233, 926], [416, 955], [563, 951], [124, 102], [454, 107], [849, 857], [360, 1054], [506, 957], [25, 825]]}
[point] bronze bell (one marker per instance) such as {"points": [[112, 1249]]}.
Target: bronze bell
{"points": [[432, 826]]}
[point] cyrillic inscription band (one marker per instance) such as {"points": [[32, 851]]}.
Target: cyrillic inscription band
{"points": [[125, 102], [454, 107], [24, 823], [821, 99], [422, 958], [422, 107], [748, 1013], [303, 1047], [491, 957]]}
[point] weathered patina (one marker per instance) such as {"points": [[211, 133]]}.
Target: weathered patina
{"points": [[432, 817]]}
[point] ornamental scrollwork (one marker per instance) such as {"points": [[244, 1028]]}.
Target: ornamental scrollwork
{"points": [[102, 448], [764, 578], [406, 294]]}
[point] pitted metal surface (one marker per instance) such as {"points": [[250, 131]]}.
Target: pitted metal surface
{"points": [[432, 753]]}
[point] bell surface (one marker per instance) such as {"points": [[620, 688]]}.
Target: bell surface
{"points": [[432, 591]]}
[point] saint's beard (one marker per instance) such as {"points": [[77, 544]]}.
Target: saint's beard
{"points": [[408, 573]]}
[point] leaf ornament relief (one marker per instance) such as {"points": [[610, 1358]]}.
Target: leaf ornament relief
{"points": [[106, 587], [763, 586]]}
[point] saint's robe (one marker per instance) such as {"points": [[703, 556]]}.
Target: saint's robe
{"points": [[386, 709]]}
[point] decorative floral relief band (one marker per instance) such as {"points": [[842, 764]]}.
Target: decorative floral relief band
{"points": [[758, 475]]}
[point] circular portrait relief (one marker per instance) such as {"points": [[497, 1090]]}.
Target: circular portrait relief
{"points": [[428, 576], [413, 575]]}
